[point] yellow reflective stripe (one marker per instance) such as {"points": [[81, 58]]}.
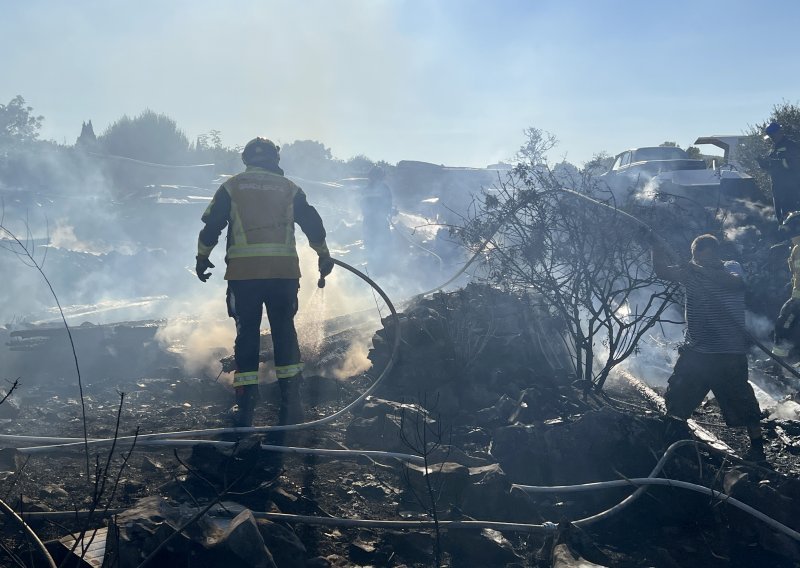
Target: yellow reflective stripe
{"points": [[261, 249], [202, 249], [248, 378], [288, 371], [785, 163], [237, 227], [780, 351]]}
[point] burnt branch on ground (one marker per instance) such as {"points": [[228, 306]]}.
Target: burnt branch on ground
{"points": [[423, 439], [25, 251]]}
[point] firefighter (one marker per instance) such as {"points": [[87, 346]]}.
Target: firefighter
{"points": [[260, 207], [786, 326], [783, 165], [376, 212]]}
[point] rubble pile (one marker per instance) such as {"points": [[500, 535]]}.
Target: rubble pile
{"points": [[482, 393], [475, 362], [477, 350]]}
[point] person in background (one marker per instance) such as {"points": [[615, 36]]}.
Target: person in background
{"points": [[786, 328], [376, 213], [783, 165], [714, 354], [260, 207]]}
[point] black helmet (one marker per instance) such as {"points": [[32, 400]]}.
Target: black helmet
{"points": [[792, 223], [771, 130], [260, 151], [376, 174]]}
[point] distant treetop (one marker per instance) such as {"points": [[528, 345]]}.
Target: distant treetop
{"points": [[17, 123]]}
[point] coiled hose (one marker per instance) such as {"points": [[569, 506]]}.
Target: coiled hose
{"points": [[642, 484]]}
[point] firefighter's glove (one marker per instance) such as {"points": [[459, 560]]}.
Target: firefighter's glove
{"points": [[325, 265], [203, 264]]}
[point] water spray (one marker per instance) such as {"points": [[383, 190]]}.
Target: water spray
{"points": [[277, 428]]}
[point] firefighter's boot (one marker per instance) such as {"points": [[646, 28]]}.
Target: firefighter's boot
{"points": [[291, 411], [246, 397], [755, 453]]}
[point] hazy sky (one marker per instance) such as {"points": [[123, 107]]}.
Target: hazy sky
{"points": [[444, 81]]}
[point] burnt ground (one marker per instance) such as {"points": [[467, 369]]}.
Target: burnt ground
{"points": [[535, 425]]}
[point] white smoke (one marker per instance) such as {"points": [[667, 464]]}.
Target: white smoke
{"points": [[786, 410]]}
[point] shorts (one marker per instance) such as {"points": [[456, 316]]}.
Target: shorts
{"points": [[725, 374]]}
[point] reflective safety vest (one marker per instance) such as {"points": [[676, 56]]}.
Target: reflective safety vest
{"points": [[261, 242], [794, 267]]}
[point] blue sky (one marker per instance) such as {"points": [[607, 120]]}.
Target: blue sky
{"points": [[444, 81]]}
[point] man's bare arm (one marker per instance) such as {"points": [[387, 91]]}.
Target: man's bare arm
{"points": [[661, 266]]}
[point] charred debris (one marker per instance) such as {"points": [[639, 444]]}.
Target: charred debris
{"points": [[477, 448]]}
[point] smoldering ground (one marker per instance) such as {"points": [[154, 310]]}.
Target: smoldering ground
{"points": [[113, 258]]}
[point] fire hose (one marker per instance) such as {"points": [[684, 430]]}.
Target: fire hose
{"points": [[414, 243], [778, 359], [396, 343], [641, 485], [264, 429]]}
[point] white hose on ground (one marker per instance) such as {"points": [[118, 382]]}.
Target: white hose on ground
{"points": [[37, 542], [380, 524], [278, 428], [642, 483], [334, 521], [183, 443], [647, 481]]}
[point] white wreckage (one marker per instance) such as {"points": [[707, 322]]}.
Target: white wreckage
{"points": [[658, 171]]}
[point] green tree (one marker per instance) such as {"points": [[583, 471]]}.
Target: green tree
{"points": [[150, 137], [211, 140], [359, 165], [18, 124], [209, 148], [309, 158], [599, 164], [694, 152]]}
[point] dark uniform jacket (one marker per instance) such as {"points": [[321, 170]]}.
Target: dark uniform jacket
{"points": [[783, 165]]}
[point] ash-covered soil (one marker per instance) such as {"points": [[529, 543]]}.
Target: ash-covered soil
{"points": [[509, 417]]}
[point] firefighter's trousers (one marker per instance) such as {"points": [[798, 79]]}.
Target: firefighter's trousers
{"points": [[246, 298], [786, 328]]}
